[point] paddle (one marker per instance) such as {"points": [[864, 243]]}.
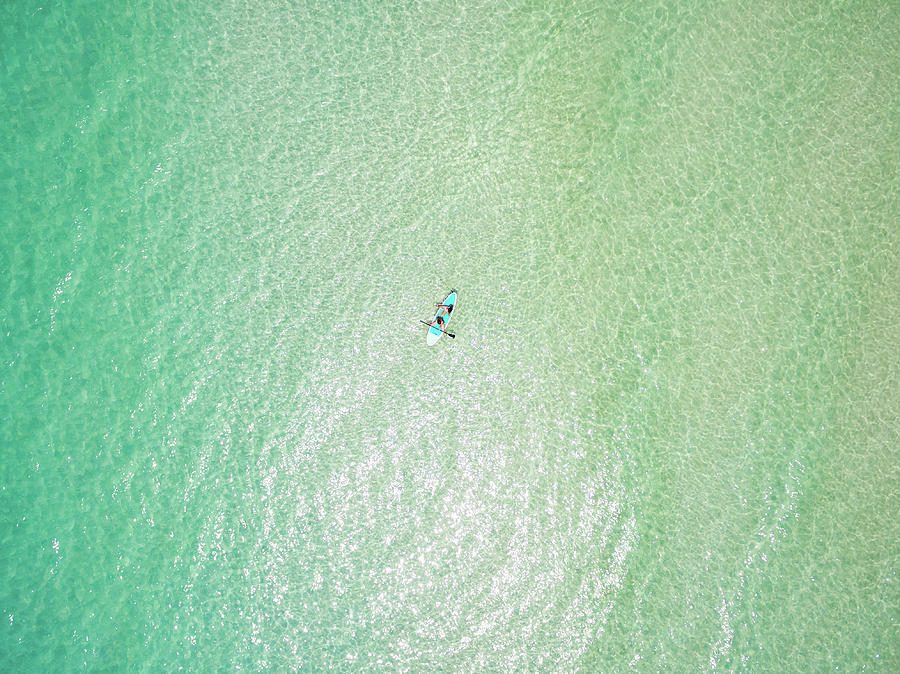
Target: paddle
{"points": [[432, 325]]}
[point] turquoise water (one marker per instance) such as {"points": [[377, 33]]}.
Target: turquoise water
{"points": [[664, 438]]}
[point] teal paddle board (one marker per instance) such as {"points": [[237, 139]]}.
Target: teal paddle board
{"points": [[444, 312]]}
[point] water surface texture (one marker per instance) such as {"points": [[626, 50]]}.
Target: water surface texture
{"points": [[665, 437]]}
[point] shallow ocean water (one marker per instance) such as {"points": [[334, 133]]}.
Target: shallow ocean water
{"points": [[664, 437]]}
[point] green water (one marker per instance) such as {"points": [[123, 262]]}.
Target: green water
{"points": [[665, 436]]}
